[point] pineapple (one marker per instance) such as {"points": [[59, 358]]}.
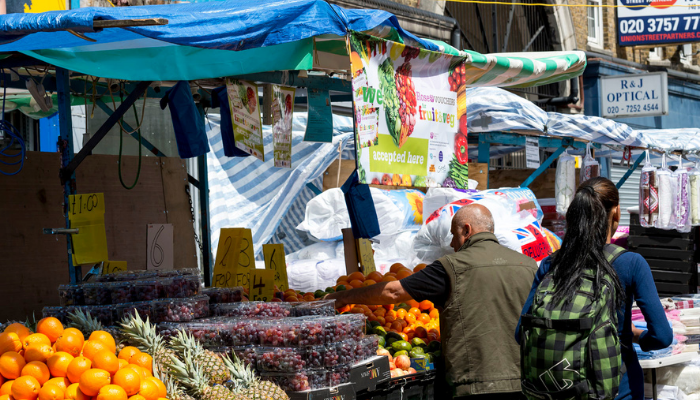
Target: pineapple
{"points": [[247, 384], [211, 363], [196, 380], [175, 392], [84, 322], [144, 336]]}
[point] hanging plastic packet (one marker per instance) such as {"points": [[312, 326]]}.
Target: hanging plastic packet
{"points": [[648, 194], [694, 178], [682, 208], [565, 182], [667, 197], [589, 167]]}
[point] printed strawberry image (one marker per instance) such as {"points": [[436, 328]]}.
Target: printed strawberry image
{"points": [[288, 104], [407, 101], [252, 99], [386, 180]]}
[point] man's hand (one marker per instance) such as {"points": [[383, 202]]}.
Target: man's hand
{"points": [[377, 294], [338, 302]]}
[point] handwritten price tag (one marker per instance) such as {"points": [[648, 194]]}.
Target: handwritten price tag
{"points": [[87, 213], [245, 259], [262, 282], [111, 267], [365, 255], [275, 261], [159, 250], [234, 258]]}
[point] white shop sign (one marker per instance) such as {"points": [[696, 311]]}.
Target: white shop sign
{"points": [[636, 95]]}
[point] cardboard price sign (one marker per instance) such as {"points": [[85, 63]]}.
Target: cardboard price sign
{"points": [[262, 285], [234, 258], [111, 267], [87, 213], [365, 255], [159, 251], [275, 261]]}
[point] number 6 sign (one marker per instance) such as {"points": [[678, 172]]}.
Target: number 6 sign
{"points": [[160, 247]]}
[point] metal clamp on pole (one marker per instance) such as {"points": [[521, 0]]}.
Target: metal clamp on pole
{"points": [[61, 231]]}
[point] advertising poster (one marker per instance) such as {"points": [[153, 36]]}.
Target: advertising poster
{"points": [[649, 22], [419, 100], [245, 116], [367, 125], [282, 110]]}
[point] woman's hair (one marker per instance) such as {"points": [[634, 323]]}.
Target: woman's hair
{"points": [[586, 235]]}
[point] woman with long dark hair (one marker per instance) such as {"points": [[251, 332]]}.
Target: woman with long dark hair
{"points": [[591, 219]]}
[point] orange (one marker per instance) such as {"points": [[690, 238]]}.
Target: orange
{"points": [[21, 330], [143, 360], [77, 367], [401, 313], [424, 318], [403, 274], [396, 267], [421, 332], [356, 283], [9, 341], [6, 388], [291, 299], [410, 318], [38, 370], [425, 305], [123, 363], [38, 352], [58, 363], [127, 352], [51, 327], [404, 336], [149, 390], [134, 397], [107, 361], [73, 393], [375, 276], [162, 390], [2, 380], [63, 383], [11, 364], [368, 282], [35, 338], [415, 311], [344, 283], [388, 278], [112, 392], [381, 321], [71, 343], [91, 349], [342, 278], [419, 267], [434, 313], [141, 371], [25, 388], [6, 397], [128, 379], [92, 380], [356, 276], [105, 338], [396, 326], [51, 392]]}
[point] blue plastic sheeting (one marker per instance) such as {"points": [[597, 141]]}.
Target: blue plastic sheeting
{"points": [[224, 25], [248, 192]]}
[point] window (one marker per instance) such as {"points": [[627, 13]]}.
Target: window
{"points": [[687, 54], [595, 23], [655, 54]]}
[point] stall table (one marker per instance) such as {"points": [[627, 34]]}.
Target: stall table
{"points": [[653, 365]]}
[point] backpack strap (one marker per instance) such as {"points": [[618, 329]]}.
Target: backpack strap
{"points": [[612, 252], [577, 324]]}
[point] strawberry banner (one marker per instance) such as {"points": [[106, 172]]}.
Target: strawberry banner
{"points": [[416, 98]]}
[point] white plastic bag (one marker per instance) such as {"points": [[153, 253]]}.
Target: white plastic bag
{"points": [[565, 182], [589, 166], [648, 194], [694, 178], [667, 197], [682, 206]]}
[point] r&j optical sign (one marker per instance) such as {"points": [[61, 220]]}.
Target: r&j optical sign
{"points": [[636, 95]]}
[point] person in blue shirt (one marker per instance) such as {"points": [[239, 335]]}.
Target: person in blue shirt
{"points": [[592, 218]]}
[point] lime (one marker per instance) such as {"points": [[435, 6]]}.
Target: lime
{"points": [[401, 345], [330, 290], [404, 306], [401, 353], [417, 351], [319, 293], [382, 341], [393, 335], [417, 342], [379, 331], [340, 288]]}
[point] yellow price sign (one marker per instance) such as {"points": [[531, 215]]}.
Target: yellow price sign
{"points": [[87, 213], [262, 284], [365, 255], [274, 260], [111, 267], [245, 259], [234, 258]]}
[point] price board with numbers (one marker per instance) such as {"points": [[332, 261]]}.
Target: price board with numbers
{"points": [[261, 284], [234, 258], [365, 255], [653, 22], [274, 260], [111, 267], [87, 213]]}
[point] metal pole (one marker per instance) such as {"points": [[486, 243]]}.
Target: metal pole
{"points": [[204, 218], [65, 147], [494, 23], [631, 170]]}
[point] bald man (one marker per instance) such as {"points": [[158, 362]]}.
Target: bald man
{"points": [[480, 290]]}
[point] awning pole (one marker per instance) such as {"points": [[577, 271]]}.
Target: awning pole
{"points": [[145, 143], [631, 170], [543, 167], [204, 219]]}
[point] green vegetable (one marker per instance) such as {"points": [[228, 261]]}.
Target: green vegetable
{"points": [[400, 353], [382, 342], [416, 352], [417, 342], [380, 331], [243, 94], [459, 173], [401, 345], [387, 84], [340, 288], [330, 290]]}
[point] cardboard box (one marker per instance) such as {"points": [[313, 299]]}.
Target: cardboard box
{"points": [[367, 374], [341, 392]]}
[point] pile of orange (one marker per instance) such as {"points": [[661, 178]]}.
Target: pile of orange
{"points": [[59, 364], [410, 320]]}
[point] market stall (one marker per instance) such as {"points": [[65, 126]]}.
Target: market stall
{"points": [[101, 54]]}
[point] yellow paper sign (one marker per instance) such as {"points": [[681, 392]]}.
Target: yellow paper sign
{"points": [[111, 267], [261, 286], [365, 256], [245, 259], [87, 213], [225, 266], [274, 260]]}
